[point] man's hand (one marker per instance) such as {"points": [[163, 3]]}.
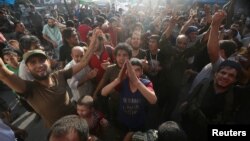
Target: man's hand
{"points": [[1, 67], [218, 17], [145, 64], [122, 73], [131, 74], [216, 7], [54, 44], [105, 64], [104, 122], [207, 9]]}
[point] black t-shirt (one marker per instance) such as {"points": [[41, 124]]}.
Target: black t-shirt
{"points": [[65, 52], [213, 103]]}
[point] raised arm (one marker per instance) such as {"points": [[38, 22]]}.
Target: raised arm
{"points": [[213, 40], [170, 27], [10, 79], [85, 60], [187, 24]]}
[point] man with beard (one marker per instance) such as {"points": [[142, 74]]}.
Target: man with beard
{"points": [[70, 40], [135, 43], [52, 34], [174, 62], [47, 93]]}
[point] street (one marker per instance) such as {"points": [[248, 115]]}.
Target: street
{"points": [[24, 119]]}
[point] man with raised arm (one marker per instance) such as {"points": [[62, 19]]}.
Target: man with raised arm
{"points": [[47, 93]]}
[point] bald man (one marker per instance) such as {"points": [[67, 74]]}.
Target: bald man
{"points": [[181, 41], [80, 83]]}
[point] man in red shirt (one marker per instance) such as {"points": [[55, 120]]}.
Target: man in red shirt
{"points": [[84, 29], [102, 57], [112, 29]]}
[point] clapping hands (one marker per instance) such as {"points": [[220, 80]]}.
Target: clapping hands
{"points": [[128, 71]]}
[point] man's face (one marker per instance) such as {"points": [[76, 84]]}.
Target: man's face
{"points": [[83, 111], [35, 45], [138, 70], [51, 23], [192, 36], [11, 59], [20, 27], [39, 67], [121, 57], [135, 41], [77, 55], [99, 45], [71, 135], [181, 42], [73, 39], [152, 44], [225, 77]]}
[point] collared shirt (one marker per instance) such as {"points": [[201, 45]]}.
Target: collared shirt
{"points": [[86, 88], [53, 33]]}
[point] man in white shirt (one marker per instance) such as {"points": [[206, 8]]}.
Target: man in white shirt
{"points": [[80, 83]]}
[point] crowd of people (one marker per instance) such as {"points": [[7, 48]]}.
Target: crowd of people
{"points": [[144, 74]]}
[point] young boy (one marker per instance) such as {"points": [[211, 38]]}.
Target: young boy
{"points": [[94, 118], [135, 94], [10, 57]]}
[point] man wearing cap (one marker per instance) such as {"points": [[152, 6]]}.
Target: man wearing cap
{"points": [[47, 93]]}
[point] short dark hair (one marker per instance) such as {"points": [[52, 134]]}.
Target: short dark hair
{"points": [[100, 19], [155, 37], [123, 46], [26, 42], [228, 46], [231, 64], [70, 123], [70, 23], [136, 62], [86, 101], [87, 21], [16, 23], [7, 51], [139, 24], [67, 33], [171, 131]]}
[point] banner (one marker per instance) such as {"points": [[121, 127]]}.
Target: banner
{"points": [[7, 1], [84, 1]]}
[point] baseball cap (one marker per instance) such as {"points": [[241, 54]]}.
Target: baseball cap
{"points": [[150, 135], [34, 52], [191, 29]]}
